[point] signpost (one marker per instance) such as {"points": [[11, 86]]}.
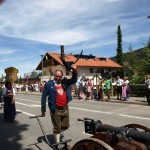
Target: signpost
{"points": [[27, 77]]}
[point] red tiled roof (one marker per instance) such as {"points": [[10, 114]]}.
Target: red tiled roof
{"points": [[83, 62]]}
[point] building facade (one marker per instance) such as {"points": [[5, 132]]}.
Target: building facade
{"points": [[88, 65]]}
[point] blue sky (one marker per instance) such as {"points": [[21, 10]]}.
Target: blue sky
{"points": [[30, 28]]}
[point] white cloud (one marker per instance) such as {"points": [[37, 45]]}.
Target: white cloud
{"points": [[79, 24], [44, 20], [6, 52]]}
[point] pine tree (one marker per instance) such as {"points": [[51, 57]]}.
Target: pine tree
{"points": [[148, 43], [119, 55]]}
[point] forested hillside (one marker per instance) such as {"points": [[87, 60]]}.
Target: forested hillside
{"points": [[139, 53], [136, 64]]}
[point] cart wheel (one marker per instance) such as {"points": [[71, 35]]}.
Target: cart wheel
{"points": [[91, 144], [138, 126]]}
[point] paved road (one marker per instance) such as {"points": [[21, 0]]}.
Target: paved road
{"points": [[25, 133], [131, 100]]}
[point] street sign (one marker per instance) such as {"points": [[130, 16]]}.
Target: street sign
{"points": [[27, 76]]}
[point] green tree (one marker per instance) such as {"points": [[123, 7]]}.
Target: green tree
{"points": [[20, 80], [119, 55], [2, 79], [40, 74], [131, 66], [148, 43], [131, 62], [143, 65], [34, 74], [145, 62], [139, 63]]}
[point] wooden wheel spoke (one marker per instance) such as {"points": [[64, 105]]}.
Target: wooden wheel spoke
{"points": [[91, 144], [138, 126]]}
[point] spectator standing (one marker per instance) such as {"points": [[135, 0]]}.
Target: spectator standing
{"points": [[100, 90], [108, 87], [26, 88], [31, 88], [84, 86], [77, 88], [119, 83], [89, 88], [147, 84], [59, 94], [36, 87], [124, 88]]}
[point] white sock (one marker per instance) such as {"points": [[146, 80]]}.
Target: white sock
{"points": [[57, 138]]}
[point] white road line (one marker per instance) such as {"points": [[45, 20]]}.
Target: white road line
{"points": [[92, 110], [133, 117], [142, 118], [28, 100], [95, 111], [25, 113], [31, 105]]}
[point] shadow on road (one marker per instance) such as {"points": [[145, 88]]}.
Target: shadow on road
{"points": [[10, 134]]}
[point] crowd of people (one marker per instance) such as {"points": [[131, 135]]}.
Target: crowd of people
{"points": [[86, 89], [34, 87]]}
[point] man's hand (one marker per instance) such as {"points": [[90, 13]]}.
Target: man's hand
{"points": [[74, 66]]}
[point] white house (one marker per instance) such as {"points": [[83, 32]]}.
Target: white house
{"points": [[88, 65]]}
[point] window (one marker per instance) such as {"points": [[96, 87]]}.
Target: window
{"points": [[102, 71], [109, 69], [91, 70]]}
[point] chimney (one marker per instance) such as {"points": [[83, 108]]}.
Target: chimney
{"points": [[62, 52]]}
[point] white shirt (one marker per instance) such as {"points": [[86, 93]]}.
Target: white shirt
{"points": [[119, 82]]}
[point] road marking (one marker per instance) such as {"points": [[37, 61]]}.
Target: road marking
{"points": [[95, 111], [134, 117], [142, 118], [25, 113], [28, 100], [92, 110], [31, 105]]}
